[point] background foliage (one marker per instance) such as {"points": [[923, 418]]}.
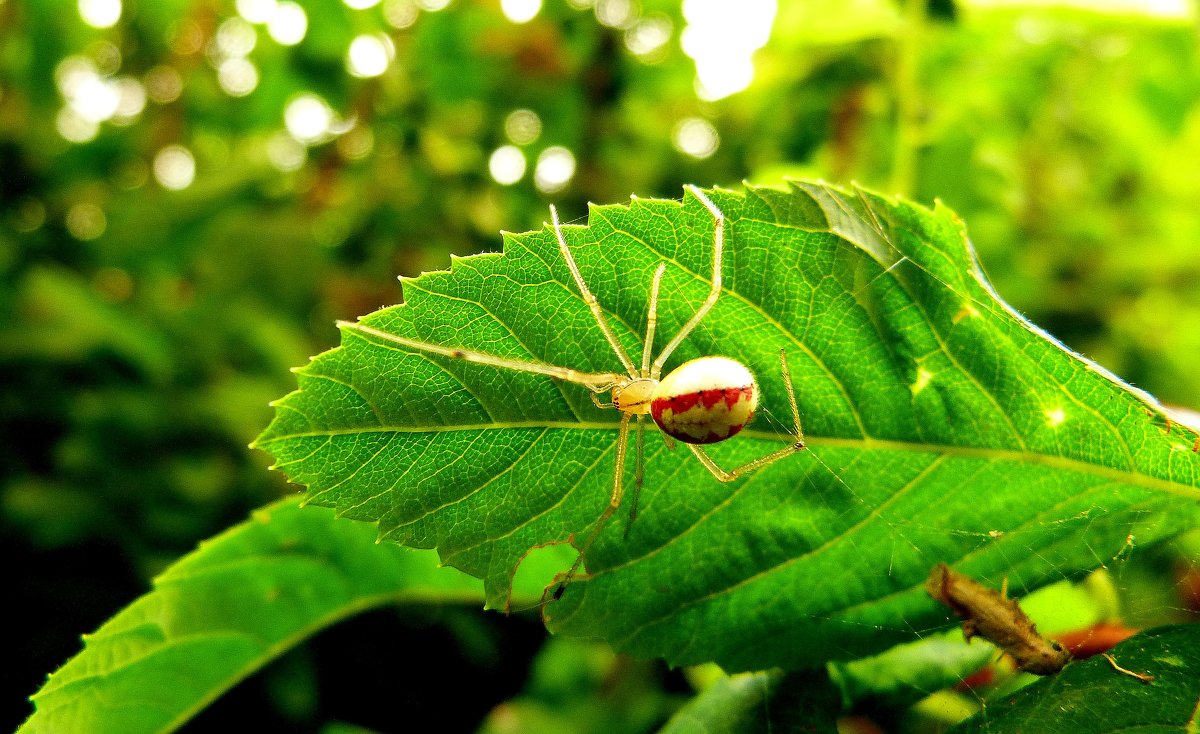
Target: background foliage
{"points": [[163, 264]]}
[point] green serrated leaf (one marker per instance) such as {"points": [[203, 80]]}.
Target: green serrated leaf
{"points": [[224, 611], [1093, 696], [906, 673], [754, 703], [941, 427]]}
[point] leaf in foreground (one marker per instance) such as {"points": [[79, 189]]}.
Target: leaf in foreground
{"points": [[1093, 696], [224, 611], [758, 703], [942, 427]]}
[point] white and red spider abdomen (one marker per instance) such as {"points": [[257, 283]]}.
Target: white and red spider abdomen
{"points": [[705, 400]]}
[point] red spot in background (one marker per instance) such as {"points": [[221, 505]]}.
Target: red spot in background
{"points": [[1187, 585], [985, 676], [858, 724], [1098, 638]]}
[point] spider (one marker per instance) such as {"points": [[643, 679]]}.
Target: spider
{"points": [[700, 402]]}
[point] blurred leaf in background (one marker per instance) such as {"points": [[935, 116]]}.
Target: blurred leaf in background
{"points": [[192, 191]]}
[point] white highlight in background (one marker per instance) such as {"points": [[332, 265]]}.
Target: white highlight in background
{"points": [[555, 169], [256, 11], [507, 165], [369, 55], [721, 38], [696, 137], [100, 13], [237, 76], [520, 11], [288, 24], [308, 118], [400, 13], [174, 167], [649, 36]]}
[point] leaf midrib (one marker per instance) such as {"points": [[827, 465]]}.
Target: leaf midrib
{"points": [[1127, 476]]}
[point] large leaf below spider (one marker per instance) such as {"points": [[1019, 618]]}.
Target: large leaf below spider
{"points": [[942, 427]]}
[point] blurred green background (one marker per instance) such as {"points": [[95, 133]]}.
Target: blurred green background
{"points": [[192, 191]]}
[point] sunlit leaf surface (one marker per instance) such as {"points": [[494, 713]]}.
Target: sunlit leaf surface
{"points": [[941, 426]]}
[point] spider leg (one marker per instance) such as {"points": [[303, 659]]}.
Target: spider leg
{"points": [[652, 319], [771, 458], [597, 382], [600, 403], [639, 470], [714, 292], [588, 298], [613, 503]]}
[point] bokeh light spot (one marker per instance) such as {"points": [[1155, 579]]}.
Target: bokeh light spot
{"points": [[357, 143], [288, 24], [89, 95], [555, 169], [721, 39], [400, 13], [86, 221], [256, 11], [74, 128], [100, 13], [131, 100], [237, 76], [235, 37], [614, 13], [106, 56], [369, 55], [164, 84], [507, 165], [174, 167], [520, 11], [696, 137], [522, 126], [308, 118], [285, 153], [648, 38]]}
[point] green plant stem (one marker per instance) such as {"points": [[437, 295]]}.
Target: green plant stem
{"points": [[907, 91]]}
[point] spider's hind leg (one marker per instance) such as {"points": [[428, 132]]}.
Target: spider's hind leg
{"points": [[797, 445]]}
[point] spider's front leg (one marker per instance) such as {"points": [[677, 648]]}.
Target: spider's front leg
{"points": [[796, 446]]}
